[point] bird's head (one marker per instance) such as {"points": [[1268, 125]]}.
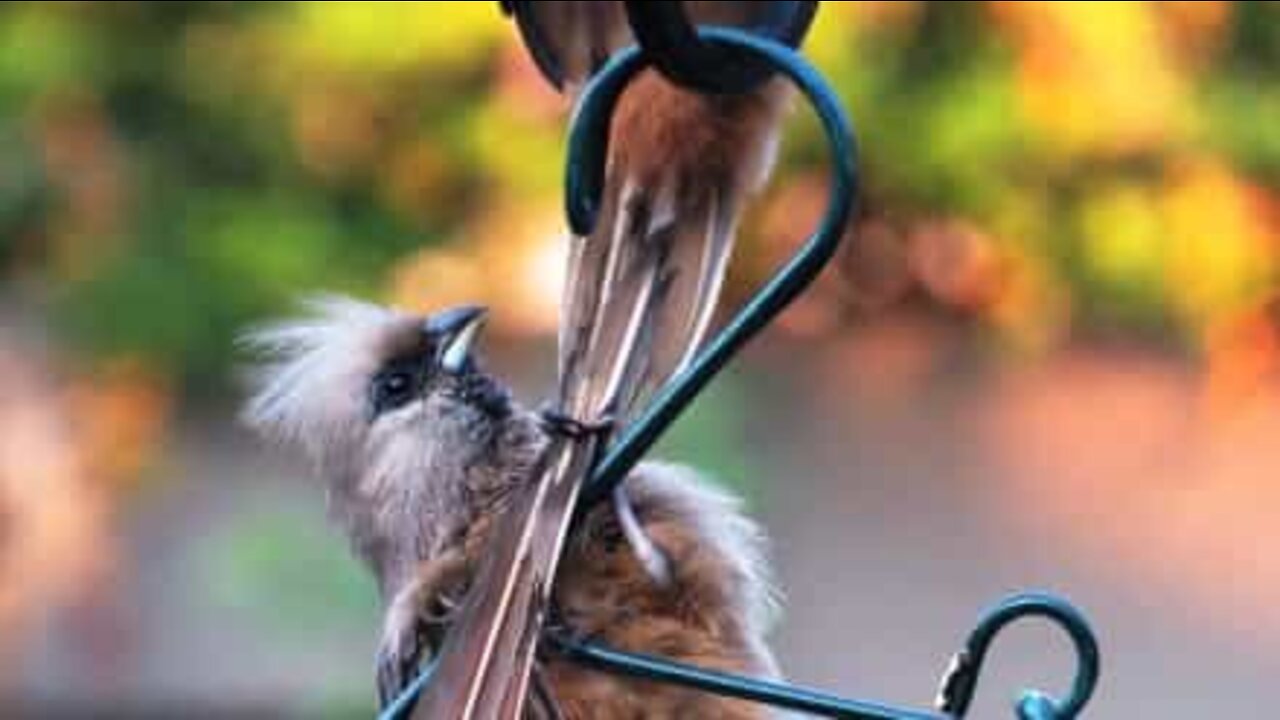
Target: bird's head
{"points": [[372, 394]]}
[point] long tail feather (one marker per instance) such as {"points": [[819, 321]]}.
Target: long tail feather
{"points": [[644, 286]]}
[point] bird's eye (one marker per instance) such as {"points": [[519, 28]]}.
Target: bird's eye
{"points": [[392, 390]]}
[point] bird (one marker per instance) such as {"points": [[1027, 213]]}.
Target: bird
{"points": [[639, 299], [638, 302], [421, 450], [642, 287]]}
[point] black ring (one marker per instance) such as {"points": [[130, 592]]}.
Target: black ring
{"points": [[671, 43]]}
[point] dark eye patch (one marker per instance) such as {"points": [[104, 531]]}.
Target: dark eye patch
{"points": [[405, 372], [396, 384]]}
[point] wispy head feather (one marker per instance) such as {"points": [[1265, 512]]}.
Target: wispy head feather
{"points": [[311, 380]]}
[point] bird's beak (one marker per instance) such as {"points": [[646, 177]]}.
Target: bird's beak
{"points": [[455, 331]]}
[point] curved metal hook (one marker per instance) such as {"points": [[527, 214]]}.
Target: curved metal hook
{"points": [[588, 152], [671, 42], [961, 680]]}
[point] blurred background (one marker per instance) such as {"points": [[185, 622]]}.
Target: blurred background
{"points": [[1050, 358]]}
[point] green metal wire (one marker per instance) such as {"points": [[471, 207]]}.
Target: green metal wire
{"points": [[790, 697], [956, 697], [958, 686]]}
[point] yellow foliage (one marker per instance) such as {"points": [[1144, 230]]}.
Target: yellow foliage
{"points": [[1097, 77], [380, 36], [1221, 252], [1123, 235]]}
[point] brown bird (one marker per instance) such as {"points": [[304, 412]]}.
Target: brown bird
{"points": [[640, 296], [639, 299], [642, 289], [423, 451]]}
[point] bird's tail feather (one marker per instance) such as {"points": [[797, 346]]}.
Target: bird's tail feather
{"points": [[642, 291]]}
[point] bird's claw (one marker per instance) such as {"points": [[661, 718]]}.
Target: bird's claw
{"points": [[408, 636], [560, 423], [400, 653]]}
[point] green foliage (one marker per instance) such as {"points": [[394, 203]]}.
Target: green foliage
{"points": [[711, 437], [286, 574], [173, 171]]}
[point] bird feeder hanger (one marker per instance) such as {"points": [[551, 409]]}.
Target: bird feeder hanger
{"points": [[723, 60]]}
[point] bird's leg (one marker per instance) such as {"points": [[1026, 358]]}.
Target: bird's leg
{"points": [[414, 611]]}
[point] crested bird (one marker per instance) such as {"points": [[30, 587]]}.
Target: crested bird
{"points": [[639, 299], [422, 451]]}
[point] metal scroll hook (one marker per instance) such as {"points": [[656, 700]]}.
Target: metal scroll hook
{"points": [[961, 680], [588, 153]]}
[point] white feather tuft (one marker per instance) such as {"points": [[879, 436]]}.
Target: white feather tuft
{"points": [[310, 383]]}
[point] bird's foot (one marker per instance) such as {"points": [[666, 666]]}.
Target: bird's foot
{"points": [[408, 637], [398, 661]]}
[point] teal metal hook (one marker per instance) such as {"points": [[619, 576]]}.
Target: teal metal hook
{"points": [[954, 699], [588, 150], [961, 681]]}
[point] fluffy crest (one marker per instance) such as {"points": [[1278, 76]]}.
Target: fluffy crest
{"points": [[310, 388]]}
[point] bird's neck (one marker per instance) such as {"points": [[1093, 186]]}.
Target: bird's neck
{"points": [[406, 526]]}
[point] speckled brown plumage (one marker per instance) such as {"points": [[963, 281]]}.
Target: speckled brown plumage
{"points": [[711, 613]]}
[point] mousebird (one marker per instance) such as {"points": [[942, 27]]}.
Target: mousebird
{"points": [[422, 450], [638, 302]]}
